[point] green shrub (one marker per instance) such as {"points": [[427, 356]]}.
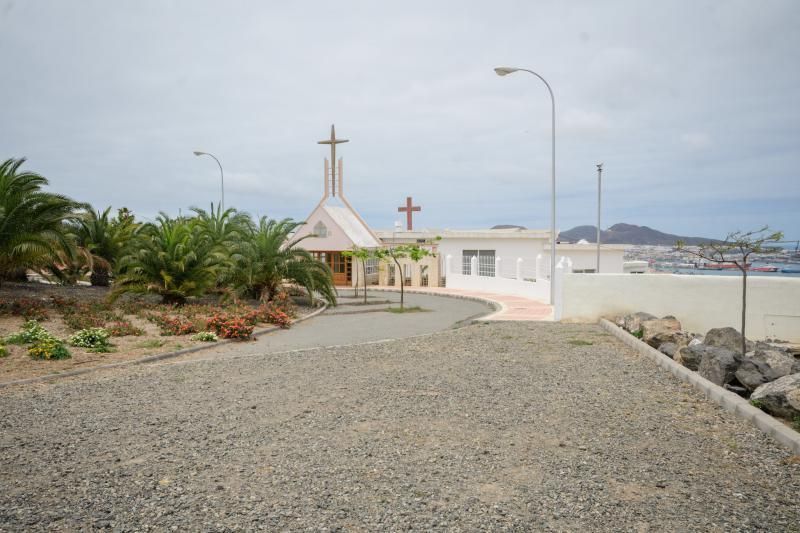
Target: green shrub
{"points": [[49, 348], [205, 336], [580, 342], [757, 404], [31, 332], [95, 339], [3, 351], [638, 333]]}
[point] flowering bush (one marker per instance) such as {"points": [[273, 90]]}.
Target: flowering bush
{"points": [[205, 336], [279, 318], [94, 338], [28, 308], [49, 348], [230, 327], [31, 332], [88, 315], [172, 325], [283, 302], [79, 321], [60, 303], [122, 328]]}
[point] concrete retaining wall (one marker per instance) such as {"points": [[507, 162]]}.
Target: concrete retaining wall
{"points": [[699, 302]]}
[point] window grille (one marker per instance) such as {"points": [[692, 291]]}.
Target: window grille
{"points": [[466, 261], [423, 275], [372, 266], [407, 274], [485, 262], [391, 275]]}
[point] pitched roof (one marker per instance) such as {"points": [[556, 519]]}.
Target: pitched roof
{"points": [[355, 230]]}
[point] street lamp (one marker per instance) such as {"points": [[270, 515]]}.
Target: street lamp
{"points": [[599, 192], [221, 177], [504, 71]]}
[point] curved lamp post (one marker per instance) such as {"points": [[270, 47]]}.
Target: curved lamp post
{"points": [[504, 71], [221, 177]]}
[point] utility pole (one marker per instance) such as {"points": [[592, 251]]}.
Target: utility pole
{"points": [[599, 197]]}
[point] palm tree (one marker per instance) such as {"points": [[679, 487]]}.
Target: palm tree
{"points": [[103, 240], [173, 258], [224, 227], [268, 256], [32, 229]]}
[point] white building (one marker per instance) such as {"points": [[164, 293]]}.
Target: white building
{"points": [[515, 254]]}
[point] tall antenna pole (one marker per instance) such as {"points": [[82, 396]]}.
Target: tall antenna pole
{"points": [[599, 197]]}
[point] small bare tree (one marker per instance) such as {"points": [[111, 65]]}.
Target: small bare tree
{"points": [[737, 249]]}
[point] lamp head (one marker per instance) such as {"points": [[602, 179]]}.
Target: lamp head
{"points": [[504, 71], [198, 153]]}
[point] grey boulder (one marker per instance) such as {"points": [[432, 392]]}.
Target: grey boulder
{"points": [[718, 365], [729, 338], [669, 349], [767, 364], [780, 397]]}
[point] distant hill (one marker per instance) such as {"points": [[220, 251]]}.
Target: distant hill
{"points": [[508, 226], [628, 234]]}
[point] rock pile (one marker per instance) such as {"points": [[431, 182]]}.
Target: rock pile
{"points": [[768, 374]]}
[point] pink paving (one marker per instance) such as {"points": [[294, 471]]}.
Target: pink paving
{"points": [[511, 307]]}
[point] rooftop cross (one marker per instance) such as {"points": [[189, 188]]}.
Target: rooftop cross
{"points": [[408, 210], [333, 141]]}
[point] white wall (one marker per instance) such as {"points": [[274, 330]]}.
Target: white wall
{"points": [[699, 302], [509, 249], [538, 290]]}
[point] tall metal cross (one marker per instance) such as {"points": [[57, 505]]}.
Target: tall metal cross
{"points": [[408, 210], [333, 141]]}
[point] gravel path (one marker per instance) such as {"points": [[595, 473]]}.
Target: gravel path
{"points": [[503, 426]]}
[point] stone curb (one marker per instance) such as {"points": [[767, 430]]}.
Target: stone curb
{"points": [[497, 307], [724, 398], [150, 358]]}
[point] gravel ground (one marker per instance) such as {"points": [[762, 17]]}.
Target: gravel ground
{"points": [[502, 426]]}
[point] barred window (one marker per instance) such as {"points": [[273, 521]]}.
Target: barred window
{"points": [[485, 262], [466, 261], [372, 266]]}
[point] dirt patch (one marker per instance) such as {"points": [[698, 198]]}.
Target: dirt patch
{"points": [[19, 365]]}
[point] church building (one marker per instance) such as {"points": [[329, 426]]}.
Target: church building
{"points": [[334, 227]]}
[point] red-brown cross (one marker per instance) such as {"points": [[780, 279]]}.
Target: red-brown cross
{"points": [[408, 210]]}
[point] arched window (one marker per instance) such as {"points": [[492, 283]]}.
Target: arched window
{"points": [[320, 229]]}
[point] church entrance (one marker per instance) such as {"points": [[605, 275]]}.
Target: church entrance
{"points": [[340, 265]]}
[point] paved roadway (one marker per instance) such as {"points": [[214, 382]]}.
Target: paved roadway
{"points": [[355, 324]]}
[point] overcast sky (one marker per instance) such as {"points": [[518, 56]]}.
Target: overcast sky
{"points": [[694, 107]]}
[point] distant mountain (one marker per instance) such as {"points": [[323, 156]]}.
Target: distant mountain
{"points": [[628, 234], [508, 226]]}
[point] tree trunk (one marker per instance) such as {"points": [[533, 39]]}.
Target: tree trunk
{"points": [[402, 282], [364, 272], [100, 277], [744, 308]]}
